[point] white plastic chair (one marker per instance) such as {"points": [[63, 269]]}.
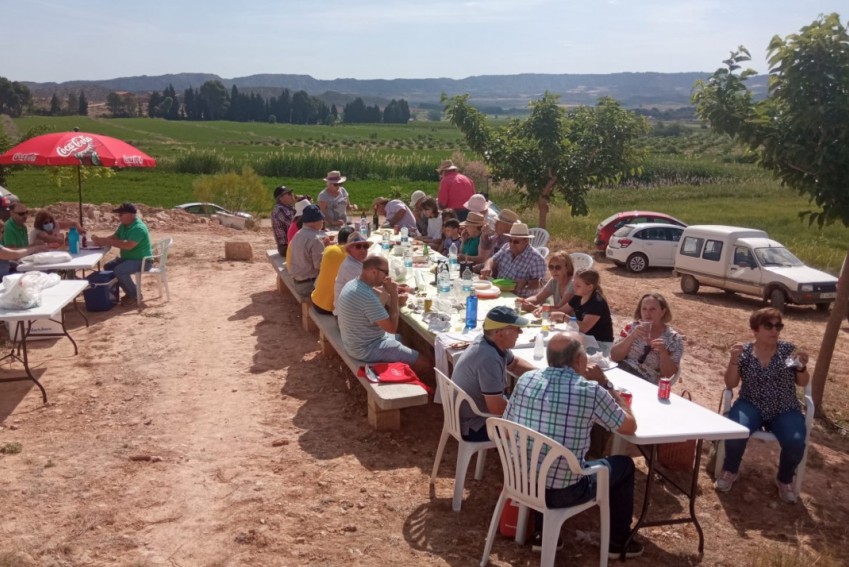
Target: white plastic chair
{"points": [[541, 237], [725, 407], [158, 262], [581, 261], [543, 250], [526, 457], [452, 399]]}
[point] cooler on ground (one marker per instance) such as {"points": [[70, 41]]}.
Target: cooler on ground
{"points": [[102, 292]]}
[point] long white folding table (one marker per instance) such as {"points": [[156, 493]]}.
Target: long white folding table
{"points": [[53, 300], [86, 259], [663, 421]]}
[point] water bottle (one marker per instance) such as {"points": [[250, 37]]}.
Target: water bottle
{"points": [[471, 312], [405, 236], [385, 244], [539, 348], [408, 258], [572, 325], [443, 281], [453, 263], [467, 281], [364, 225], [73, 241]]}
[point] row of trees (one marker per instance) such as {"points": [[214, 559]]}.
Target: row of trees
{"points": [[14, 97], [74, 105]]}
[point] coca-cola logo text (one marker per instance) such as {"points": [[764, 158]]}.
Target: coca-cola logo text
{"points": [[74, 144], [25, 158], [133, 160]]}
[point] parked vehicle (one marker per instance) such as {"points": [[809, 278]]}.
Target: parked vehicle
{"points": [[614, 222], [210, 209], [639, 246], [746, 260]]}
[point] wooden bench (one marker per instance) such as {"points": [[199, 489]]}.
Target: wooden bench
{"points": [[385, 401], [284, 279]]}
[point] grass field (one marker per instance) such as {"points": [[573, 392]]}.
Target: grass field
{"points": [[696, 177]]}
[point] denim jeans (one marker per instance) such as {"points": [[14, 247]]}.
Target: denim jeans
{"points": [[620, 496], [788, 428], [476, 435], [124, 270]]}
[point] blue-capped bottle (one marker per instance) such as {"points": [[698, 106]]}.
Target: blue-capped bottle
{"points": [[471, 312], [73, 241]]}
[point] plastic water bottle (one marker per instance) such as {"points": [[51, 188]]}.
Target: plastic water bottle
{"points": [[385, 244], [443, 281], [405, 236], [471, 312], [572, 325], [73, 241], [364, 225], [408, 258], [539, 347], [453, 263], [467, 281]]}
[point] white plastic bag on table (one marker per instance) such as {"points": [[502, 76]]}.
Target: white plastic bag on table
{"points": [[52, 257], [23, 291]]}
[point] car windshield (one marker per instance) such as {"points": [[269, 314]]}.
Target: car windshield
{"points": [[777, 257]]}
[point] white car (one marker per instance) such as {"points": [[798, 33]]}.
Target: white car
{"points": [[639, 246], [210, 209]]}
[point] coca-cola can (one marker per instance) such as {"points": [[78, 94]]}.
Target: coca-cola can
{"points": [[626, 396], [664, 388]]}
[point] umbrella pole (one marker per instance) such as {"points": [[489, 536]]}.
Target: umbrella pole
{"points": [[80, 192]]}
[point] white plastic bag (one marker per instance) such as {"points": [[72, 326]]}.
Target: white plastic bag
{"points": [[23, 291], [52, 257]]}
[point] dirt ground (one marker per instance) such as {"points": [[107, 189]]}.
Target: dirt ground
{"points": [[209, 431]]}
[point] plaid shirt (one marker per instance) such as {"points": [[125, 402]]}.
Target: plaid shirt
{"points": [[528, 265], [563, 405], [281, 218]]}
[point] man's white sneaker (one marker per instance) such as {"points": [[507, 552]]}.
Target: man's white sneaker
{"points": [[725, 481], [786, 492]]}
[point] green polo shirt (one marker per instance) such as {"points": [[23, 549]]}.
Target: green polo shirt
{"points": [[137, 232], [15, 235]]}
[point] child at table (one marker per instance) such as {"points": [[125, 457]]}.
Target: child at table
{"points": [[590, 308], [450, 235]]}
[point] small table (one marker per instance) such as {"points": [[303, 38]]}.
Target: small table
{"points": [[53, 299], [86, 259]]}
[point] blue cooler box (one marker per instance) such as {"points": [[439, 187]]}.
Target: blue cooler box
{"points": [[102, 292]]}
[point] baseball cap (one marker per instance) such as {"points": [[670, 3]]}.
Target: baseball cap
{"points": [[126, 208], [281, 191], [503, 316]]}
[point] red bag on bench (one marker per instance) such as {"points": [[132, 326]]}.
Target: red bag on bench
{"points": [[392, 372]]}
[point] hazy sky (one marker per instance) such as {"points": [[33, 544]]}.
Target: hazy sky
{"points": [[60, 40]]}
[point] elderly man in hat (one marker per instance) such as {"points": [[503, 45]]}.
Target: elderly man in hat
{"points": [[323, 297], [306, 250], [367, 327], [519, 261], [481, 370], [333, 201], [133, 240], [282, 217], [455, 189], [495, 235]]}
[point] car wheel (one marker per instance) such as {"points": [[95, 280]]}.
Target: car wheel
{"points": [[822, 307], [777, 299], [637, 262], [689, 284]]}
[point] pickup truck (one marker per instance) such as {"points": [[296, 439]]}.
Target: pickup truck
{"points": [[747, 261]]}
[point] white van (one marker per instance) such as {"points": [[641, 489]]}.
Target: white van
{"points": [[746, 260]]}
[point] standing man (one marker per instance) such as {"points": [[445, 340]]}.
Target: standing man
{"points": [[367, 327], [455, 189], [306, 249], [133, 240], [282, 217], [519, 261], [562, 402], [481, 369]]}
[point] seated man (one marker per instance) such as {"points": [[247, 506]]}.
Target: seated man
{"points": [[15, 237], [352, 266], [133, 240], [495, 235], [306, 249], [481, 369], [563, 401], [331, 259], [367, 328], [519, 262]]}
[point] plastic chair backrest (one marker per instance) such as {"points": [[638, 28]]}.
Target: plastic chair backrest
{"points": [[581, 261], [452, 398], [543, 250], [541, 236], [162, 251], [521, 450]]}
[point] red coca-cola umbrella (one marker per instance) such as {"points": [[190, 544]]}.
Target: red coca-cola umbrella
{"points": [[76, 149]]}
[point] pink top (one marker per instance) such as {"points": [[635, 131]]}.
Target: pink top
{"points": [[293, 228], [454, 190]]}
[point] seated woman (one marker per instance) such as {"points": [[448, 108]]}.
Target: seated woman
{"points": [[430, 221], [767, 399], [559, 287], [590, 309], [648, 347], [47, 230]]}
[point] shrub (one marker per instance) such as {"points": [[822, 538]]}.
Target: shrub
{"points": [[234, 191]]}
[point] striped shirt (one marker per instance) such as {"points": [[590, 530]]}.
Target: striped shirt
{"points": [[358, 310], [563, 405]]}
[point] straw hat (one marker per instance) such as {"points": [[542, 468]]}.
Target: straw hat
{"points": [[508, 216], [335, 177], [474, 219], [447, 165], [476, 203], [416, 197], [520, 230]]}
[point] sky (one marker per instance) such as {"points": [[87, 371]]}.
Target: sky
{"points": [[62, 40]]}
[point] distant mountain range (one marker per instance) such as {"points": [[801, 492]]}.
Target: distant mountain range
{"points": [[506, 91]]}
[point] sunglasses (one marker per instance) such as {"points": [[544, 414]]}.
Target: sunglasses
{"points": [[770, 326], [553, 267], [363, 246], [645, 355], [23, 214], [517, 240]]}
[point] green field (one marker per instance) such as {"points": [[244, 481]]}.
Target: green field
{"points": [[697, 176]]}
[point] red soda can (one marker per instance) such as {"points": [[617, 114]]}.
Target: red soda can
{"points": [[626, 396], [664, 388]]}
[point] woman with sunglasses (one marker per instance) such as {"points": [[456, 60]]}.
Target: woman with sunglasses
{"points": [[559, 287], [769, 370], [333, 201], [649, 347]]}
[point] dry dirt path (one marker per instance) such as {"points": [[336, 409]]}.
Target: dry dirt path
{"points": [[261, 454]]}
